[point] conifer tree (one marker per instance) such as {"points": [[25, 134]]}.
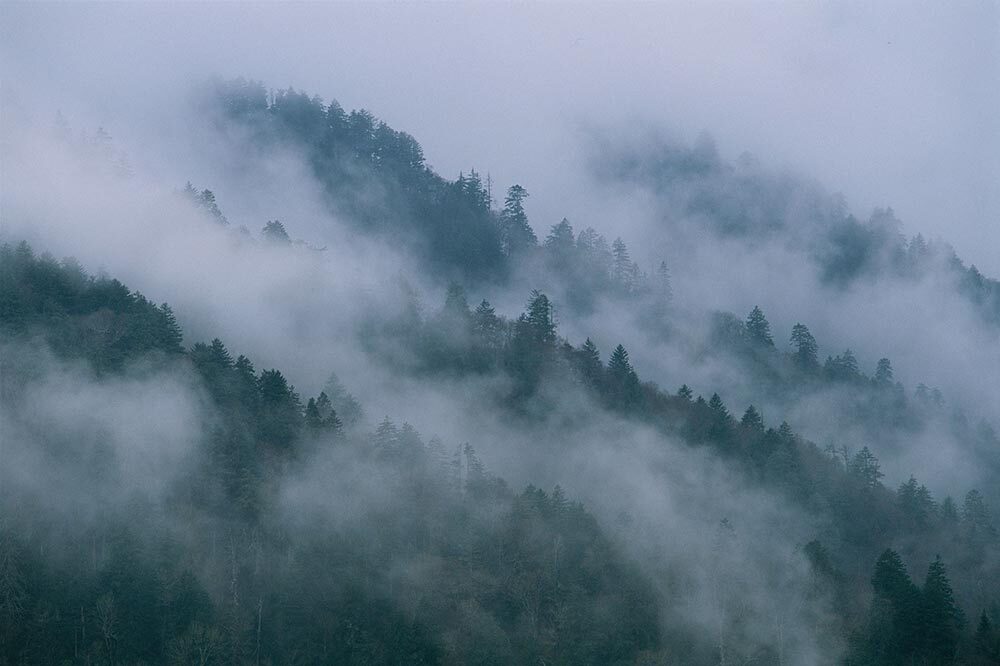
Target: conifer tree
{"points": [[843, 367], [985, 644], [274, 232], [560, 244], [618, 364], [486, 325], [516, 234], [718, 407], [346, 406], [173, 338], [320, 416], [897, 600], [386, 437], [720, 423], [752, 420], [313, 420], [941, 617], [805, 348], [281, 411], [623, 383], [245, 383], [758, 329], [916, 503], [622, 266], [883, 373], [589, 363], [540, 319], [865, 467]]}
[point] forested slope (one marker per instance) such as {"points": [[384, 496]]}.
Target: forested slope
{"points": [[164, 500], [435, 560]]}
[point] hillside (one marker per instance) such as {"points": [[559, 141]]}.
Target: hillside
{"points": [[605, 464]]}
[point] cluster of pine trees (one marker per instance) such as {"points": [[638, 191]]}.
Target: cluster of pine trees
{"points": [[746, 201], [394, 549], [378, 177], [223, 598], [844, 487], [444, 563]]}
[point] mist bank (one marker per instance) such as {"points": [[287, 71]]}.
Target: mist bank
{"points": [[237, 493], [727, 518], [718, 237], [892, 104], [717, 520]]}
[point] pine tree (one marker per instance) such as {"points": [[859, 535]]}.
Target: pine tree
{"points": [[718, 407], [486, 326], [516, 234], [589, 363], [618, 364], [281, 412], [984, 644], [685, 392], [386, 438], [473, 191], [313, 420], [320, 416], [621, 270], [941, 617], [346, 406], [597, 257], [205, 200], [532, 345], [623, 383], [245, 383], [410, 445], [865, 467], [843, 367], [917, 252], [758, 329], [219, 355], [805, 348], [173, 338], [625, 273], [720, 424], [540, 319], [897, 641], [274, 232], [752, 420], [883, 373], [916, 503], [560, 244]]}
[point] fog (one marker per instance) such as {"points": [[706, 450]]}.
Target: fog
{"points": [[892, 105], [864, 107]]}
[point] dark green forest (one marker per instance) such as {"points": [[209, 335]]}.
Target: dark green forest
{"points": [[313, 529], [378, 177]]}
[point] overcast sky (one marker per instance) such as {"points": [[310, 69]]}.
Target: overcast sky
{"points": [[894, 105]]}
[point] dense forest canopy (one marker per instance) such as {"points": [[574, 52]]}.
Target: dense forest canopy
{"points": [[165, 498]]}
